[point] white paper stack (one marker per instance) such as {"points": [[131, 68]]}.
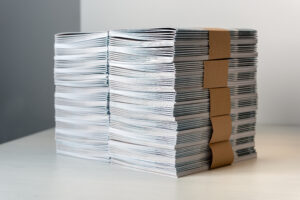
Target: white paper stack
{"points": [[81, 95], [159, 109]]}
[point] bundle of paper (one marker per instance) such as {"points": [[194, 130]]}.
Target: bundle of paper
{"points": [[160, 110], [81, 95]]}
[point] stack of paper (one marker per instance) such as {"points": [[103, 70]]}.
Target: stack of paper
{"points": [[81, 95], [159, 108]]}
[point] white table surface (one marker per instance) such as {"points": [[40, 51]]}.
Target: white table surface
{"points": [[30, 169]]}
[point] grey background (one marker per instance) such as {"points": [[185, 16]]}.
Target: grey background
{"points": [[26, 54], [277, 22]]}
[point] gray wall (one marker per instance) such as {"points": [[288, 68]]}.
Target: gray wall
{"points": [[277, 22], [26, 54]]}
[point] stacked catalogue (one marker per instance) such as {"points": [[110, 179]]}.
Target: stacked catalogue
{"points": [[170, 112], [81, 94]]}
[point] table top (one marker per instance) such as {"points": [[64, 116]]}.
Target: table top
{"points": [[30, 169]]}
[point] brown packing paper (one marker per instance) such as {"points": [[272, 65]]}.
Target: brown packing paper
{"points": [[222, 128], [215, 78], [222, 154], [215, 73], [219, 101], [219, 43]]}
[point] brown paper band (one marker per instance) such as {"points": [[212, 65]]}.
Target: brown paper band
{"points": [[219, 101], [222, 128], [222, 154], [219, 43], [215, 73], [215, 78]]}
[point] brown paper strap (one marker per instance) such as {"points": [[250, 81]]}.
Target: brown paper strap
{"points": [[219, 43], [222, 128], [219, 101], [215, 73], [222, 154], [215, 78]]}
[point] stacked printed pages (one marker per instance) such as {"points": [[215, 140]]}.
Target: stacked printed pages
{"points": [[81, 94], [159, 110], [136, 97]]}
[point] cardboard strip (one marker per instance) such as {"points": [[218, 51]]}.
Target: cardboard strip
{"points": [[215, 73], [215, 78], [222, 154], [219, 43], [219, 101], [222, 128]]}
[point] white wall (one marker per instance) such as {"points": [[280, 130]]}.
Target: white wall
{"points": [[277, 22]]}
